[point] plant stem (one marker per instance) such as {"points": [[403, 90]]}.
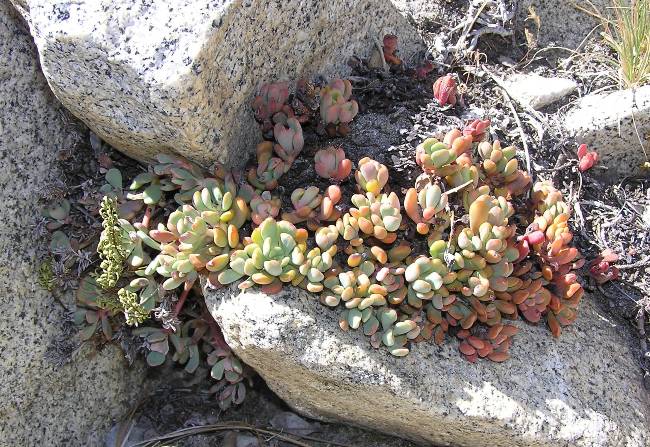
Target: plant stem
{"points": [[216, 336], [147, 217], [181, 300]]}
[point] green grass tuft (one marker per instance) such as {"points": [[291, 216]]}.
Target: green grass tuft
{"points": [[626, 29]]}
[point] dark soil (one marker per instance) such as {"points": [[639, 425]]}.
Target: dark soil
{"points": [[178, 402]]}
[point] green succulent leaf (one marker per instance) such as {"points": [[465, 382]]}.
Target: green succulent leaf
{"points": [[59, 241], [87, 332], [140, 180], [114, 178], [152, 195], [193, 361], [58, 210], [155, 358], [218, 369]]}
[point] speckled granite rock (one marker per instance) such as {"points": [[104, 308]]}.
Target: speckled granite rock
{"points": [[179, 76], [562, 24], [614, 124], [583, 390], [422, 11], [40, 403], [538, 91]]}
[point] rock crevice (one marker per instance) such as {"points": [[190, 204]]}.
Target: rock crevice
{"points": [[42, 402]]}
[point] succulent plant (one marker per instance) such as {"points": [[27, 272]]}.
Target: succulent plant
{"points": [[427, 207], [601, 268], [360, 253], [228, 370], [289, 140], [396, 331], [269, 168], [432, 155], [271, 257], [348, 228], [331, 197], [444, 90], [390, 48], [355, 290], [476, 129], [312, 271], [493, 347], [330, 163], [113, 187], [376, 216], [219, 203], [270, 100], [586, 159], [185, 175], [94, 309], [263, 206], [326, 236], [476, 277], [154, 187], [270, 107], [486, 208], [427, 278], [438, 158], [365, 301], [391, 277], [195, 238], [458, 142], [466, 176], [548, 238], [336, 108], [305, 202], [58, 212], [371, 175], [502, 169]]}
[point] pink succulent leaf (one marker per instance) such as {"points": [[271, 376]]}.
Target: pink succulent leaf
{"points": [[298, 143], [444, 90], [588, 161], [347, 91], [338, 84], [283, 135], [368, 171], [582, 151], [332, 114]]}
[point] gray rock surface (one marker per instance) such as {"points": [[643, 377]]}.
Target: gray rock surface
{"points": [[421, 11], [538, 91], [581, 390], [152, 77], [41, 403], [617, 126], [562, 24]]}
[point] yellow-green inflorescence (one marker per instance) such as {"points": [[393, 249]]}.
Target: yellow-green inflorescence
{"points": [[111, 247]]}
